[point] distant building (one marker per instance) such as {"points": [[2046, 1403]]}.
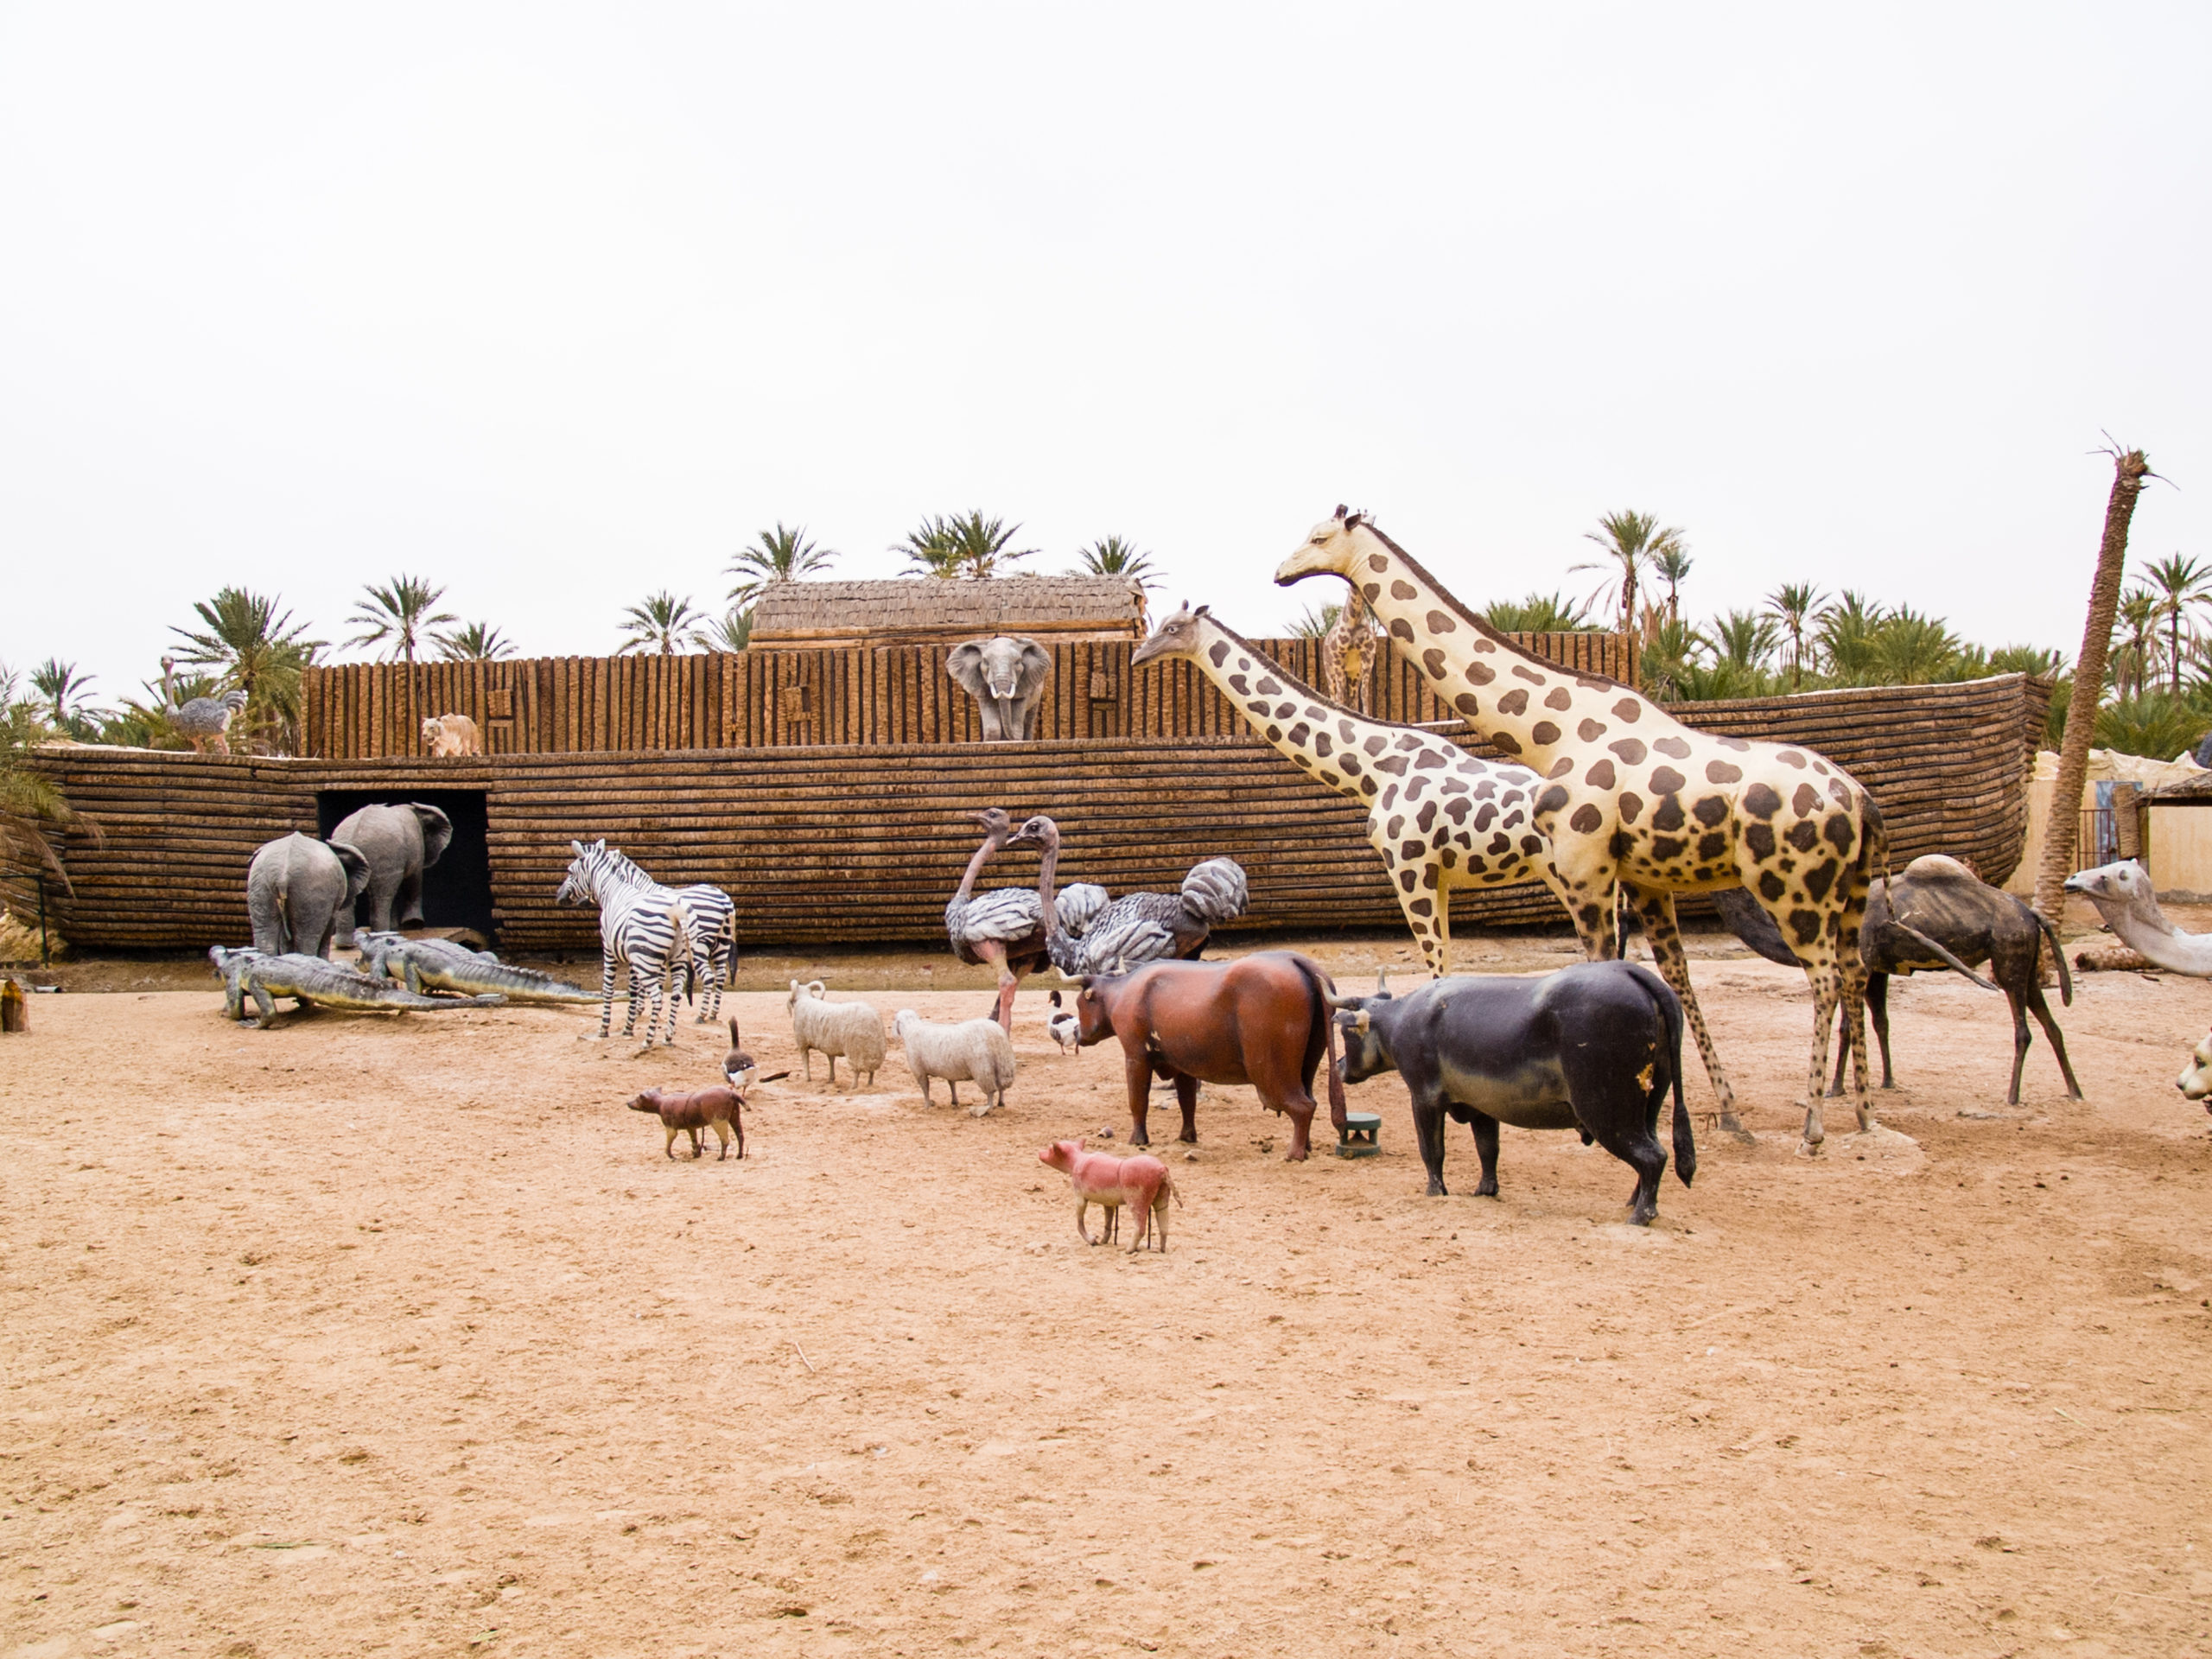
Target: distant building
{"points": [[929, 610]]}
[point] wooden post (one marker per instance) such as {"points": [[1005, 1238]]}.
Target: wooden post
{"points": [[2130, 467], [15, 1010]]}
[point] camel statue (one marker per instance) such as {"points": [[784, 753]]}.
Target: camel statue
{"points": [[1634, 801], [2124, 898]]}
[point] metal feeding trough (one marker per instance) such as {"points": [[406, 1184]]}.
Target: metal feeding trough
{"points": [[1357, 1139]]}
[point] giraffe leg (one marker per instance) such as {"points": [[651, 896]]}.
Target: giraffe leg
{"points": [[1656, 911], [1426, 904], [1828, 994]]}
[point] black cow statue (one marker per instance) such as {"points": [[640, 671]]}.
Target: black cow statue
{"points": [[1594, 1047]]}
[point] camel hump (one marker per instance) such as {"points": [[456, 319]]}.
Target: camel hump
{"points": [[1935, 867]]}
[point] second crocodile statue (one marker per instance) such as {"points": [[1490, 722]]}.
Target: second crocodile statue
{"points": [[440, 965], [312, 981]]}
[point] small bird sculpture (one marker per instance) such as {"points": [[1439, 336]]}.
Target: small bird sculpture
{"points": [[1061, 1024]]}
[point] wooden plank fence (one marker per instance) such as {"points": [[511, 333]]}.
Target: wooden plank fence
{"points": [[780, 698], [829, 844]]}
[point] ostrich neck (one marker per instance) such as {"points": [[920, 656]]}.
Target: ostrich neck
{"points": [[1046, 867], [168, 690], [1525, 705], [976, 868]]}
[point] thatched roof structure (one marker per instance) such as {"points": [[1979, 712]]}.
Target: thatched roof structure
{"points": [[928, 609]]}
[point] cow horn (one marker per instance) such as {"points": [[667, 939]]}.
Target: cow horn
{"points": [[1339, 1000], [1382, 982]]}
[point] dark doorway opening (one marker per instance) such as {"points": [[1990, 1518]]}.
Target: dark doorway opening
{"points": [[457, 889]]}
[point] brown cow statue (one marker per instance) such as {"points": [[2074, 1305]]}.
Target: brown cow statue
{"points": [[1264, 1020]]}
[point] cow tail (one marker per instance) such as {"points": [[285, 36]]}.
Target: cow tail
{"points": [[1671, 1013], [1322, 987]]}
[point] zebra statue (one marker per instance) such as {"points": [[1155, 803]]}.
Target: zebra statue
{"points": [[641, 924]]}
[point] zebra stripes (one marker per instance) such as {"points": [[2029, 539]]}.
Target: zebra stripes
{"points": [[642, 925], [710, 920]]}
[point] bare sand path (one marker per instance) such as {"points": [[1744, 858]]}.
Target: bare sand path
{"points": [[366, 1335]]}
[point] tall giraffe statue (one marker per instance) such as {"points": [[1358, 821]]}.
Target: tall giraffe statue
{"points": [[1636, 802], [1440, 818], [1348, 655]]}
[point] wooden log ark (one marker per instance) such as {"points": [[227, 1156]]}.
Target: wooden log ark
{"points": [[861, 844]]}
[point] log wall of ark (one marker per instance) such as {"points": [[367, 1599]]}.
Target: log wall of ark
{"points": [[863, 844]]}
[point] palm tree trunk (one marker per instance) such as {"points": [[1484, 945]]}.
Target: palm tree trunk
{"points": [[2130, 467], [2173, 647]]}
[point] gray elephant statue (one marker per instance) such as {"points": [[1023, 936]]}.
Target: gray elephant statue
{"points": [[1005, 675], [399, 842], [296, 890]]}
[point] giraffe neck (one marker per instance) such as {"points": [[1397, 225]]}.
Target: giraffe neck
{"points": [[1530, 708], [1279, 715]]}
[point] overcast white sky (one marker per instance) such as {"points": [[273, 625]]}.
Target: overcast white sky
{"points": [[558, 308]]}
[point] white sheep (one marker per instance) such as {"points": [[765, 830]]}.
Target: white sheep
{"points": [[851, 1029], [975, 1051]]}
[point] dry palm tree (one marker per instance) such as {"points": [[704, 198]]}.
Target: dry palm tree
{"points": [[1634, 543], [474, 642], [29, 806], [2130, 469], [264, 654], [783, 554], [966, 545], [664, 623], [2180, 585], [400, 611], [1792, 605]]}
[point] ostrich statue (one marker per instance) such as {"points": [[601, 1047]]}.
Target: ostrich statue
{"points": [[1138, 926], [1005, 927], [203, 721]]}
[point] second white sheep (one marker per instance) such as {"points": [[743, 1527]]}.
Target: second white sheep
{"points": [[975, 1051], [852, 1029]]}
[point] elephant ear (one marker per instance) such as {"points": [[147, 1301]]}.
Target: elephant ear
{"points": [[965, 665], [437, 831], [357, 867], [1036, 669]]}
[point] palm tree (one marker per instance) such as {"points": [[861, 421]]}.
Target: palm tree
{"points": [[263, 654], [1673, 567], [63, 689], [783, 554], [1634, 543], [2179, 584], [1792, 605], [400, 611], [733, 630], [1843, 636], [1744, 637], [1115, 556], [965, 545], [29, 805], [2138, 616], [1911, 649], [1317, 620], [663, 623], [1539, 613], [474, 642]]}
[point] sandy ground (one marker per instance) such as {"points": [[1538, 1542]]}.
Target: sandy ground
{"points": [[400, 1336]]}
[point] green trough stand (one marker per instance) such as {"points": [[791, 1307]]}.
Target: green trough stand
{"points": [[1358, 1136]]}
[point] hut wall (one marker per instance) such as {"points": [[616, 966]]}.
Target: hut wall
{"points": [[811, 696], [843, 843]]}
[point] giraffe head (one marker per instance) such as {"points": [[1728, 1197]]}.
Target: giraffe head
{"points": [[1180, 635], [1328, 550]]}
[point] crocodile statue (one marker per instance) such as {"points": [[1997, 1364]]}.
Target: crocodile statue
{"points": [[310, 980], [440, 965]]}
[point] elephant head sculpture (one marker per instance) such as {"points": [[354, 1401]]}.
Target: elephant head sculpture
{"points": [[400, 841], [1005, 675]]}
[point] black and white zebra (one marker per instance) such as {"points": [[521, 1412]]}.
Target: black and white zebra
{"points": [[710, 920], [641, 925]]}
